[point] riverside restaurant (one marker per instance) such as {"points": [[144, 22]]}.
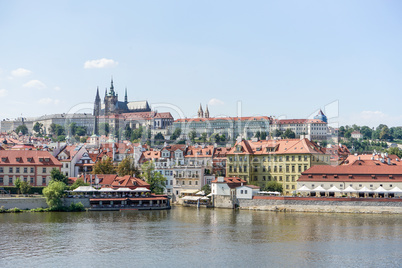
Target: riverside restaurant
{"points": [[122, 198]]}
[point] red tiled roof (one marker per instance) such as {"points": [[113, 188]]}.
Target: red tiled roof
{"points": [[249, 118], [38, 158], [358, 173], [285, 146]]}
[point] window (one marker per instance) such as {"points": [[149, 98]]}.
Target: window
{"points": [[17, 170], [196, 182], [280, 168], [183, 182], [32, 180], [300, 168], [263, 178], [189, 183], [25, 170], [255, 178], [305, 158], [1, 170], [32, 170], [293, 158], [44, 170], [241, 191], [245, 191], [300, 158], [245, 168], [293, 168], [171, 182], [230, 168], [10, 181], [1, 180], [287, 158], [26, 179]]}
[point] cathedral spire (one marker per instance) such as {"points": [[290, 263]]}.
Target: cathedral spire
{"points": [[97, 98], [206, 114], [125, 97], [200, 112], [112, 88]]}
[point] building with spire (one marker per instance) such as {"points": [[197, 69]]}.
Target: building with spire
{"points": [[112, 106], [200, 112]]}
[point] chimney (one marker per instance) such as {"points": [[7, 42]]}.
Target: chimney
{"points": [[358, 158], [389, 161]]}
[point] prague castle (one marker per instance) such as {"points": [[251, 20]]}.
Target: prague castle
{"points": [[111, 104]]}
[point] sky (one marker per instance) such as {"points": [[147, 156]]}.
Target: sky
{"points": [[286, 59]]}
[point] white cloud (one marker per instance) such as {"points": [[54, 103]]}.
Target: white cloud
{"points": [[46, 101], [215, 102], [20, 72], [3, 93], [35, 84], [57, 88], [101, 63]]}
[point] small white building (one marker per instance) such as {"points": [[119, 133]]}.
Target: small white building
{"points": [[247, 191]]}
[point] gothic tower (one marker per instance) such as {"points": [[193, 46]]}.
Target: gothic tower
{"points": [[110, 100], [206, 112], [200, 112], [97, 109]]}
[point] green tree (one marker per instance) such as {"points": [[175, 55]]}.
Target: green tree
{"points": [[53, 193], [192, 135], [81, 131], [104, 129], [263, 135], [395, 151], [159, 136], [127, 167], [203, 137], [57, 175], [274, 187], [176, 134], [206, 188], [72, 128], [23, 129], [127, 132], [38, 128], [136, 133], [17, 184], [79, 182], [155, 179], [83, 139], [104, 166], [25, 187], [289, 134], [277, 133]]}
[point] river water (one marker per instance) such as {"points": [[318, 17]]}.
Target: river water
{"points": [[191, 237]]}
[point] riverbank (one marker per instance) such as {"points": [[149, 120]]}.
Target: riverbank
{"points": [[323, 205]]}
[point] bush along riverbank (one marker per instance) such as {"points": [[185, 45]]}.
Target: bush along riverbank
{"points": [[74, 207]]}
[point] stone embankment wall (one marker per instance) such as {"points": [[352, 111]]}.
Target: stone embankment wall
{"points": [[222, 201], [23, 202], [68, 201], [342, 205]]}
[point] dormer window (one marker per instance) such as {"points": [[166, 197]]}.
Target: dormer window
{"points": [[350, 177], [30, 159], [47, 159], [41, 159], [18, 159], [4, 159]]}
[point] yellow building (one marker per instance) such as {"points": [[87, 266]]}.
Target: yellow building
{"points": [[283, 161]]}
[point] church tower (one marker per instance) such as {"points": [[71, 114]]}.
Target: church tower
{"points": [[206, 112], [110, 100], [125, 97], [200, 112], [97, 109]]}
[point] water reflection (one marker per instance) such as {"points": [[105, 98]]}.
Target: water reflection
{"points": [[187, 236]]}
